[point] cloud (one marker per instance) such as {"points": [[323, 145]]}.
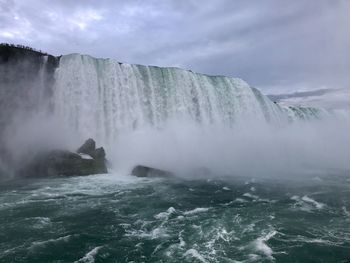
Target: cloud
{"points": [[274, 45]]}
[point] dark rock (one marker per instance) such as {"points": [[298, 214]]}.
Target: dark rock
{"points": [[88, 147], [145, 171], [99, 154], [66, 163]]}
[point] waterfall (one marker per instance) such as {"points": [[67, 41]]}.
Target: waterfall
{"points": [[42, 81], [141, 114], [102, 97]]}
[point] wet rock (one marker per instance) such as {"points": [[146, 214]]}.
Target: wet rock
{"points": [[145, 171], [88, 147], [98, 154], [86, 161]]}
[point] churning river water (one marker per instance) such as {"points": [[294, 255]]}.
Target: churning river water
{"points": [[114, 218]]}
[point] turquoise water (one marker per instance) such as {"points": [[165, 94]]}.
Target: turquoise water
{"points": [[111, 218]]}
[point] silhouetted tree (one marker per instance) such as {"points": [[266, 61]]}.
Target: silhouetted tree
{"points": [[23, 47]]}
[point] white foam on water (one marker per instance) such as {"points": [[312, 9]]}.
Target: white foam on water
{"points": [[346, 212], [239, 200], [36, 244], [302, 205], [198, 228], [182, 241], [261, 246], [295, 198], [156, 233], [195, 254], [92, 185], [125, 225], [249, 195], [158, 247], [303, 239], [252, 258], [307, 199], [220, 233], [226, 188], [42, 222], [196, 211], [319, 241], [165, 215], [90, 256], [249, 228]]}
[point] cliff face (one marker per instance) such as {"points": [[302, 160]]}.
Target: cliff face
{"points": [[26, 81], [12, 53], [25, 76]]}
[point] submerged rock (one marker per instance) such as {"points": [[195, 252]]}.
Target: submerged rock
{"points": [[66, 163], [145, 171]]}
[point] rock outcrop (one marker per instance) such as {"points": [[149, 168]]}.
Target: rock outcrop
{"points": [[88, 160], [145, 171], [26, 89], [88, 147]]}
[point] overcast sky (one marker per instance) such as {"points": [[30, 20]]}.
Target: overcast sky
{"points": [[275, 45]]}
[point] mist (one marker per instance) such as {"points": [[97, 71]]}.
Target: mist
{"points": [[26, 78], [250, 149], [192, 150], [206, 125]]}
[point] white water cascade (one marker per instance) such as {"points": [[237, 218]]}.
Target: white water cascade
{"points": [[102, 97]]}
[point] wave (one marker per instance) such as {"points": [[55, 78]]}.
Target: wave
{"points": [[90, 256]]}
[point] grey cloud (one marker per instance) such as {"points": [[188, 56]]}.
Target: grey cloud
{"points": [[274, 45]]}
